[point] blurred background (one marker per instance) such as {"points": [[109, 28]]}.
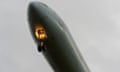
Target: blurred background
{"points": [[94, 25]]}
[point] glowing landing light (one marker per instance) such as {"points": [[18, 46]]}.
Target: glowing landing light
{"points": [[40, 33]]}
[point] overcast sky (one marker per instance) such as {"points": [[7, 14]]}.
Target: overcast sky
{"points": [[94, 25]]}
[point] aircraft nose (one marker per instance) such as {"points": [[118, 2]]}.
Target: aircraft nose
{"points": [[41, 14], [36, 11]]}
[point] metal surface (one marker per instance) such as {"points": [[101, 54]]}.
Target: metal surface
{"points": [[61, 51]]}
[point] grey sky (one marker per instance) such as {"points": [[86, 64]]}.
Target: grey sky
{"points": [[94, 25]]}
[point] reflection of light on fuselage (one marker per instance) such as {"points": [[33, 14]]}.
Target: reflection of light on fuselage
{"points": [[40, 33]]}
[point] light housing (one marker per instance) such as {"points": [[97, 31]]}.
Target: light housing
{"points": [[40, 33]]}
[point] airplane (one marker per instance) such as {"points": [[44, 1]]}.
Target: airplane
{"points": [[54, 40]]}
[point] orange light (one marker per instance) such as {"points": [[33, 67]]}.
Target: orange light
{"points": [[40, 33]]}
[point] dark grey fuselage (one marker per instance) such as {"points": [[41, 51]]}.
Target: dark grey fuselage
{"points": [[61, 52]]}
